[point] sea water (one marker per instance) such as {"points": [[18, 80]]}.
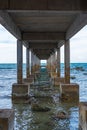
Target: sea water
{"points": [[25, 119]]}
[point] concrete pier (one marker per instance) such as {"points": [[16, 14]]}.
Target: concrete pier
{"points": [[67, 61], [27, 62], [29, 79], [58, 62], [58, 81], [6, 119], [69, 92], [83, 116], [19, 89], [43, 26], [19, 61], [67, 89]]}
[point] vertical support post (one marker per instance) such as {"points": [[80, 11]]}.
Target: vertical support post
{"points": [[19, 61], [31, 62], [54, 62], [51, 63], [67, 61], [58, 62], [27, 63]]}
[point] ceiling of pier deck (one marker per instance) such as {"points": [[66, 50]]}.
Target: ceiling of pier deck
{"points": [[43, 21], [43, 49], [43, 53]]}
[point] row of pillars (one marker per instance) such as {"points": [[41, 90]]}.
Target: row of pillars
{"points": [[32, 64], [53, 62]]}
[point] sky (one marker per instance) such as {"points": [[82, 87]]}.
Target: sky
{"points": [[8, 47]]}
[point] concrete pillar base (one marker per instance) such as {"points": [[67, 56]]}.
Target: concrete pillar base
{"points": [[20, 91], [6, 119], [28, 80], [69, 92], [58, 80], [31, 76], [83, 116], [53, 74]]}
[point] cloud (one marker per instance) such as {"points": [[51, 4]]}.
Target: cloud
{"points": [[5, 36], [8, 53], [78, 47]]}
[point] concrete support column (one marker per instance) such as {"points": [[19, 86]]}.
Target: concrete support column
{"points": [[67, 61], [51, 63], [19, 89], [31, 62], [27, 63], [48, 64], [58, 62], [38, 63], [19, 61], [34, 63]]}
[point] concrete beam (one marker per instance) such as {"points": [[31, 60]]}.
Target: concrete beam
{"points": [[41, 4], [77, 25], [43, 36], [35, 45], [4, 4], [43, 57], [8, 23], [43, 51], [60, 43]]}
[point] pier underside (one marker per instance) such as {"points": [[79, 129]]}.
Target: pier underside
{"points": [[43, 27]]}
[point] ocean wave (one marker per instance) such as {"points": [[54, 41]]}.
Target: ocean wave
{"points": [[5, 68], [2, 86], [5, 96]]}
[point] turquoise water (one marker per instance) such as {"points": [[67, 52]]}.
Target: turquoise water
{"points": [[25, 119]]}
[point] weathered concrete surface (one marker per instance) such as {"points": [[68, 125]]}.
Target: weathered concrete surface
{"points": [[32, 76], [83, 116], [27, 62], [58, 62], [19, 61], [20, 91], [58, 80], [69, 92], [67, 61], [6, 119], [9, 24], [43, 36], [43, 5], [53, 74], [28, 80]]}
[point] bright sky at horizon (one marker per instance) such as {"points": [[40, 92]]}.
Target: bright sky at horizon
{"points": [[8, 47]]}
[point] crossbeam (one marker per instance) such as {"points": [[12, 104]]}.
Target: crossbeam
{"points": [[47, 45], [60, 5], [43, 36]]}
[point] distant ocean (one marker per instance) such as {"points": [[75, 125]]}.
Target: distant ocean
{"points": [[8, 77]]}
